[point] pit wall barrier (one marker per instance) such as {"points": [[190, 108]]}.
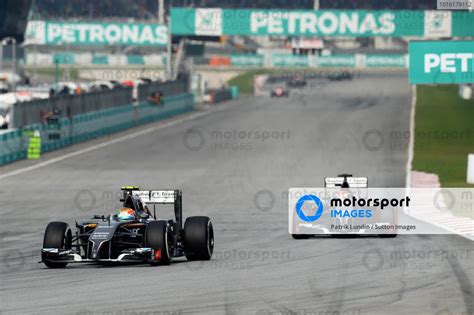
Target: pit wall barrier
{"points": [[30, 112], [167, 88], [65, 132], [213, 96]]}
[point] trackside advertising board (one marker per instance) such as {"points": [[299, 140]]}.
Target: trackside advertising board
{"points": [[96, 33], [320, 23], [386, 61], [443, 62]]}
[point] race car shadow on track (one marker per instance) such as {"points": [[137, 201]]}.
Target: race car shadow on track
{"points": [[306, 236], [122, 265]]}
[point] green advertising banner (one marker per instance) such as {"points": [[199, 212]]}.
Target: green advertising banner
{"points": [[341, 60], [386, 61], [95, 33], [287, 60], [332, 61], [443, 62], [64, 58], [246, 60], [320, 23]]}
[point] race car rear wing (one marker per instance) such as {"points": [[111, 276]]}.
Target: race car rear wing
{"points": [[154, 197], [344, 180], [158, 196]]}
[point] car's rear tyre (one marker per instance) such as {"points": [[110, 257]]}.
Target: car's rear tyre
{"points": [[300, 236], [198, 238], [157, 238], [57, 235]]}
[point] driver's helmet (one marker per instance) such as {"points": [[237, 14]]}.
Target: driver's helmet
{"points": [[126, 214], [343, 193]]}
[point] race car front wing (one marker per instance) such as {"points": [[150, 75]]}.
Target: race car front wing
{"points": [[70, 256]]}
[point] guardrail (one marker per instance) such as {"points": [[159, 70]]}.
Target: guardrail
{"points": [[82, 127]]}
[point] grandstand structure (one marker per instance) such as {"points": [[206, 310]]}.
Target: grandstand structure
{"points": [[148, 9]]}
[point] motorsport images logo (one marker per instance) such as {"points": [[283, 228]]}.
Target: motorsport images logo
{"points": [[378, 210], [348, 207], [314, 203]]}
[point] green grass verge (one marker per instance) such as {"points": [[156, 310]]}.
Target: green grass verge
{"points": [[444, 134], [244, 81]]}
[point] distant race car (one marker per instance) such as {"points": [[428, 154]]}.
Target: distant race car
{"points": [[279, 92], [341, 187], [4, 115], [133, 235], [296, 82], [340, 76]]}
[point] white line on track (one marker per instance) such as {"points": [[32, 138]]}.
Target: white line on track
{"points": [[412, 138], [104, 144]]}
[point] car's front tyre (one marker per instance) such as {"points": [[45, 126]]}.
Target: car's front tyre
{"points": [[157, 238], [57, 235]]}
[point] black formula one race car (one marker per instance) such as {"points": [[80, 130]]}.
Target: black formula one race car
{"points": [[133, 235]]}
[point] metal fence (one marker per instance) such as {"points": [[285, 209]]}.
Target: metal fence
{"points": [[32, 112], [179, 86]]}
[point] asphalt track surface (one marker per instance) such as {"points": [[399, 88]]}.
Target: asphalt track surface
{"points": [[257, 268]]}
